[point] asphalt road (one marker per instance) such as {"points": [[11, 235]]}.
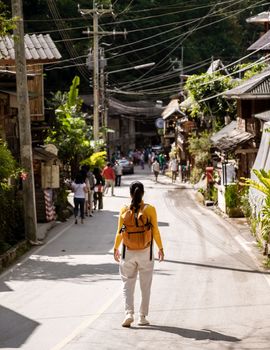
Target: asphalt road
{"points": [[209, 293]]}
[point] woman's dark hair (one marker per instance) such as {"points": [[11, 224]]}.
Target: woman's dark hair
{"points": [[79, 178], [96, 171], [136, 191]]}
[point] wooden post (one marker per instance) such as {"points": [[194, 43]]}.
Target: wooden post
{"points": [[30, 216]]}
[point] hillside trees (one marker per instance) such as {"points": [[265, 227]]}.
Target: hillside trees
{"points": [[157, 32]]}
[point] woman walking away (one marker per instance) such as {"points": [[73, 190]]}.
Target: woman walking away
{"points": [[79, 189], [137, 257], [98, 189]]}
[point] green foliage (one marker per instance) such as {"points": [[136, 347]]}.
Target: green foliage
{"points": [[232, 197], [11, 218], [61, 203], [6, 24], [96, 160], [154, 28], [204, 86], [244, 203], [262, 185], [199, 147], [250, 72], [7, 163], [71, 134], [265, 220]]}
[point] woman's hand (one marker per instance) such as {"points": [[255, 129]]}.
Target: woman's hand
{"points": [[160, 255], [116, 255]]}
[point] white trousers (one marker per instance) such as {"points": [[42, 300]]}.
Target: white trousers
{"points": [[109, 183], [137, 262]]}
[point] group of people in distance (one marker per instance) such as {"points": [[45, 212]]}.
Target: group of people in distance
{"points": [[89, 187]]}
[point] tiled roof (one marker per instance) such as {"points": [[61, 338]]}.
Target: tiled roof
{"points": [[262, 44], [230, 137], [259, 84], [260, 18], [172, 107], [37, 48]]}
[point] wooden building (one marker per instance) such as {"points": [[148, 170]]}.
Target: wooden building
{"points": [[39, 50]]}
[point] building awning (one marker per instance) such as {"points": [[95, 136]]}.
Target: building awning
{"points": [[263, 17], [47, 152], [172, 108], [264, 116], [262, 43], [230, 137], [257, 86]]}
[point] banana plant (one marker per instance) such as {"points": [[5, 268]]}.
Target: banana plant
{"points": [[262, 185]]}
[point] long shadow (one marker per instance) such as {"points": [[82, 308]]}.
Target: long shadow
{"points": [[217, 267], [51, 270], [205, 334], [14, 328]]}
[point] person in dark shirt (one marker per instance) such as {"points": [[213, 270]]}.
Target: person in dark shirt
{"points": [[98, 189]]}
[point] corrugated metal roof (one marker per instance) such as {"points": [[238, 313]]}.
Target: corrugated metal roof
{"points": [[230, 137], [37, 48], [265, 116], [257, 85], [262, 44], [262, 17], [172, 107], [216, 66]]}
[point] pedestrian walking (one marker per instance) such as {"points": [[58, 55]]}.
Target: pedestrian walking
{"points": [[137, 257], [156, 169], [79, 189], [174, 168], [109, 176], [118, 169], [90, 183], [98, 189]]}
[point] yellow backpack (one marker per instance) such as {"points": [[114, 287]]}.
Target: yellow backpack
{"points": [[136, 229]]}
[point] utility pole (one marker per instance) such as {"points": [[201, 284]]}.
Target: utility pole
{"points": [[96, 12], [30, 216]]}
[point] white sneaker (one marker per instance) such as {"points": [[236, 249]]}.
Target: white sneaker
{"points": [[143, 321], [128, 320]]}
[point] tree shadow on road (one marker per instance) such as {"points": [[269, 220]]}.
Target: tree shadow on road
{"points": [[205, 334]]}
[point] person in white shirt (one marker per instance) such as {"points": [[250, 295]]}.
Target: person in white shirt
{"points": [[174, 167], [156, 168], [118, 173], [79, 188]]}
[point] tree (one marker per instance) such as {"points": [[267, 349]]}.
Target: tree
{"points": [[6, 24], [8, 165], [199, 148], [206, 90], [71, 134]]}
